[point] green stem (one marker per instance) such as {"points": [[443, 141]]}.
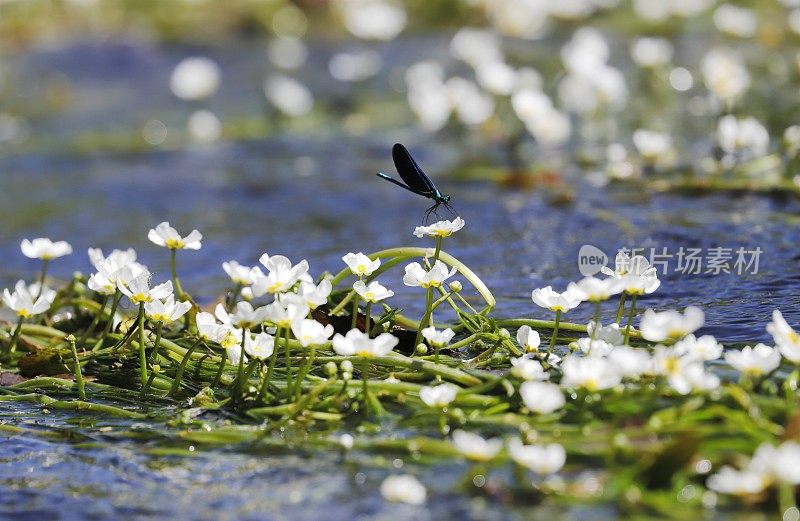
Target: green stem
{"points": [[272, 360], [621, 308], [42, 277], [15, 337], [354, 319], [95, 321], [438, 249], [240, 368], [154, 352], [222, 361], [367, 329], [78, 373], [288, 355], [555, 332], [142, 355], [176, 383], [630, 319], [365, 379], [312, 351], [427, 318], [596, 319], [235, 297], [112, 313], [176, 284]]}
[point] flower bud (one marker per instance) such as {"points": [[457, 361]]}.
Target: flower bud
{"points": [[421, 349], [331, 369], [455, 286], [346, 366], [504, 334]]}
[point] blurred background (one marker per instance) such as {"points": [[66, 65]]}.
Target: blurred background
{"points": [[553, 124]]}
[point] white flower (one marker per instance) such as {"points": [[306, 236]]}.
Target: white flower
{"points": [[22, 300], [542, 397], [261, 346], [704, 348], [403, 489], [288, 95], [653, 146], [168, 237], [118, 264], [234, 352], [592, 373], [651, 53], [644, 284], [786, 463], [240, 275], [417, 276], [374, 292], [735, 21], [207, 327], [101, 284], [754, 361], [786, 339], [373, 19], [475, 447], [731, 481], [725, 75], [554, 301], [768, 465], [695, 378], [361, 265], [602, 341], [45, 249], [527, 369], [281, 276], [438, 396], [315, 295], [592, 289], [243, 317], [438, 338], [356, 343], [166, 311], [115, 260], [630, 362], [670, 324], [746, 136], [138, 289], [440, 229], [309, 332], [289, 309], [528, 339], [195, 78], [542, 459]]}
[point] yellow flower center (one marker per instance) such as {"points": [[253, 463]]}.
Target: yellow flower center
{"points": [[23, 313], [141, 297], [175, 244]]}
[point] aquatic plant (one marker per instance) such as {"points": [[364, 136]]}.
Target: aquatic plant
{"points": [[639, 407]]}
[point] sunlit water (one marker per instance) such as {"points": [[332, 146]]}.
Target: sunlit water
{"points": [[318, 198]]}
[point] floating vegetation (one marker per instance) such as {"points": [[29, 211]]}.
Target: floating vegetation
{"points": [[648, 418]]}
